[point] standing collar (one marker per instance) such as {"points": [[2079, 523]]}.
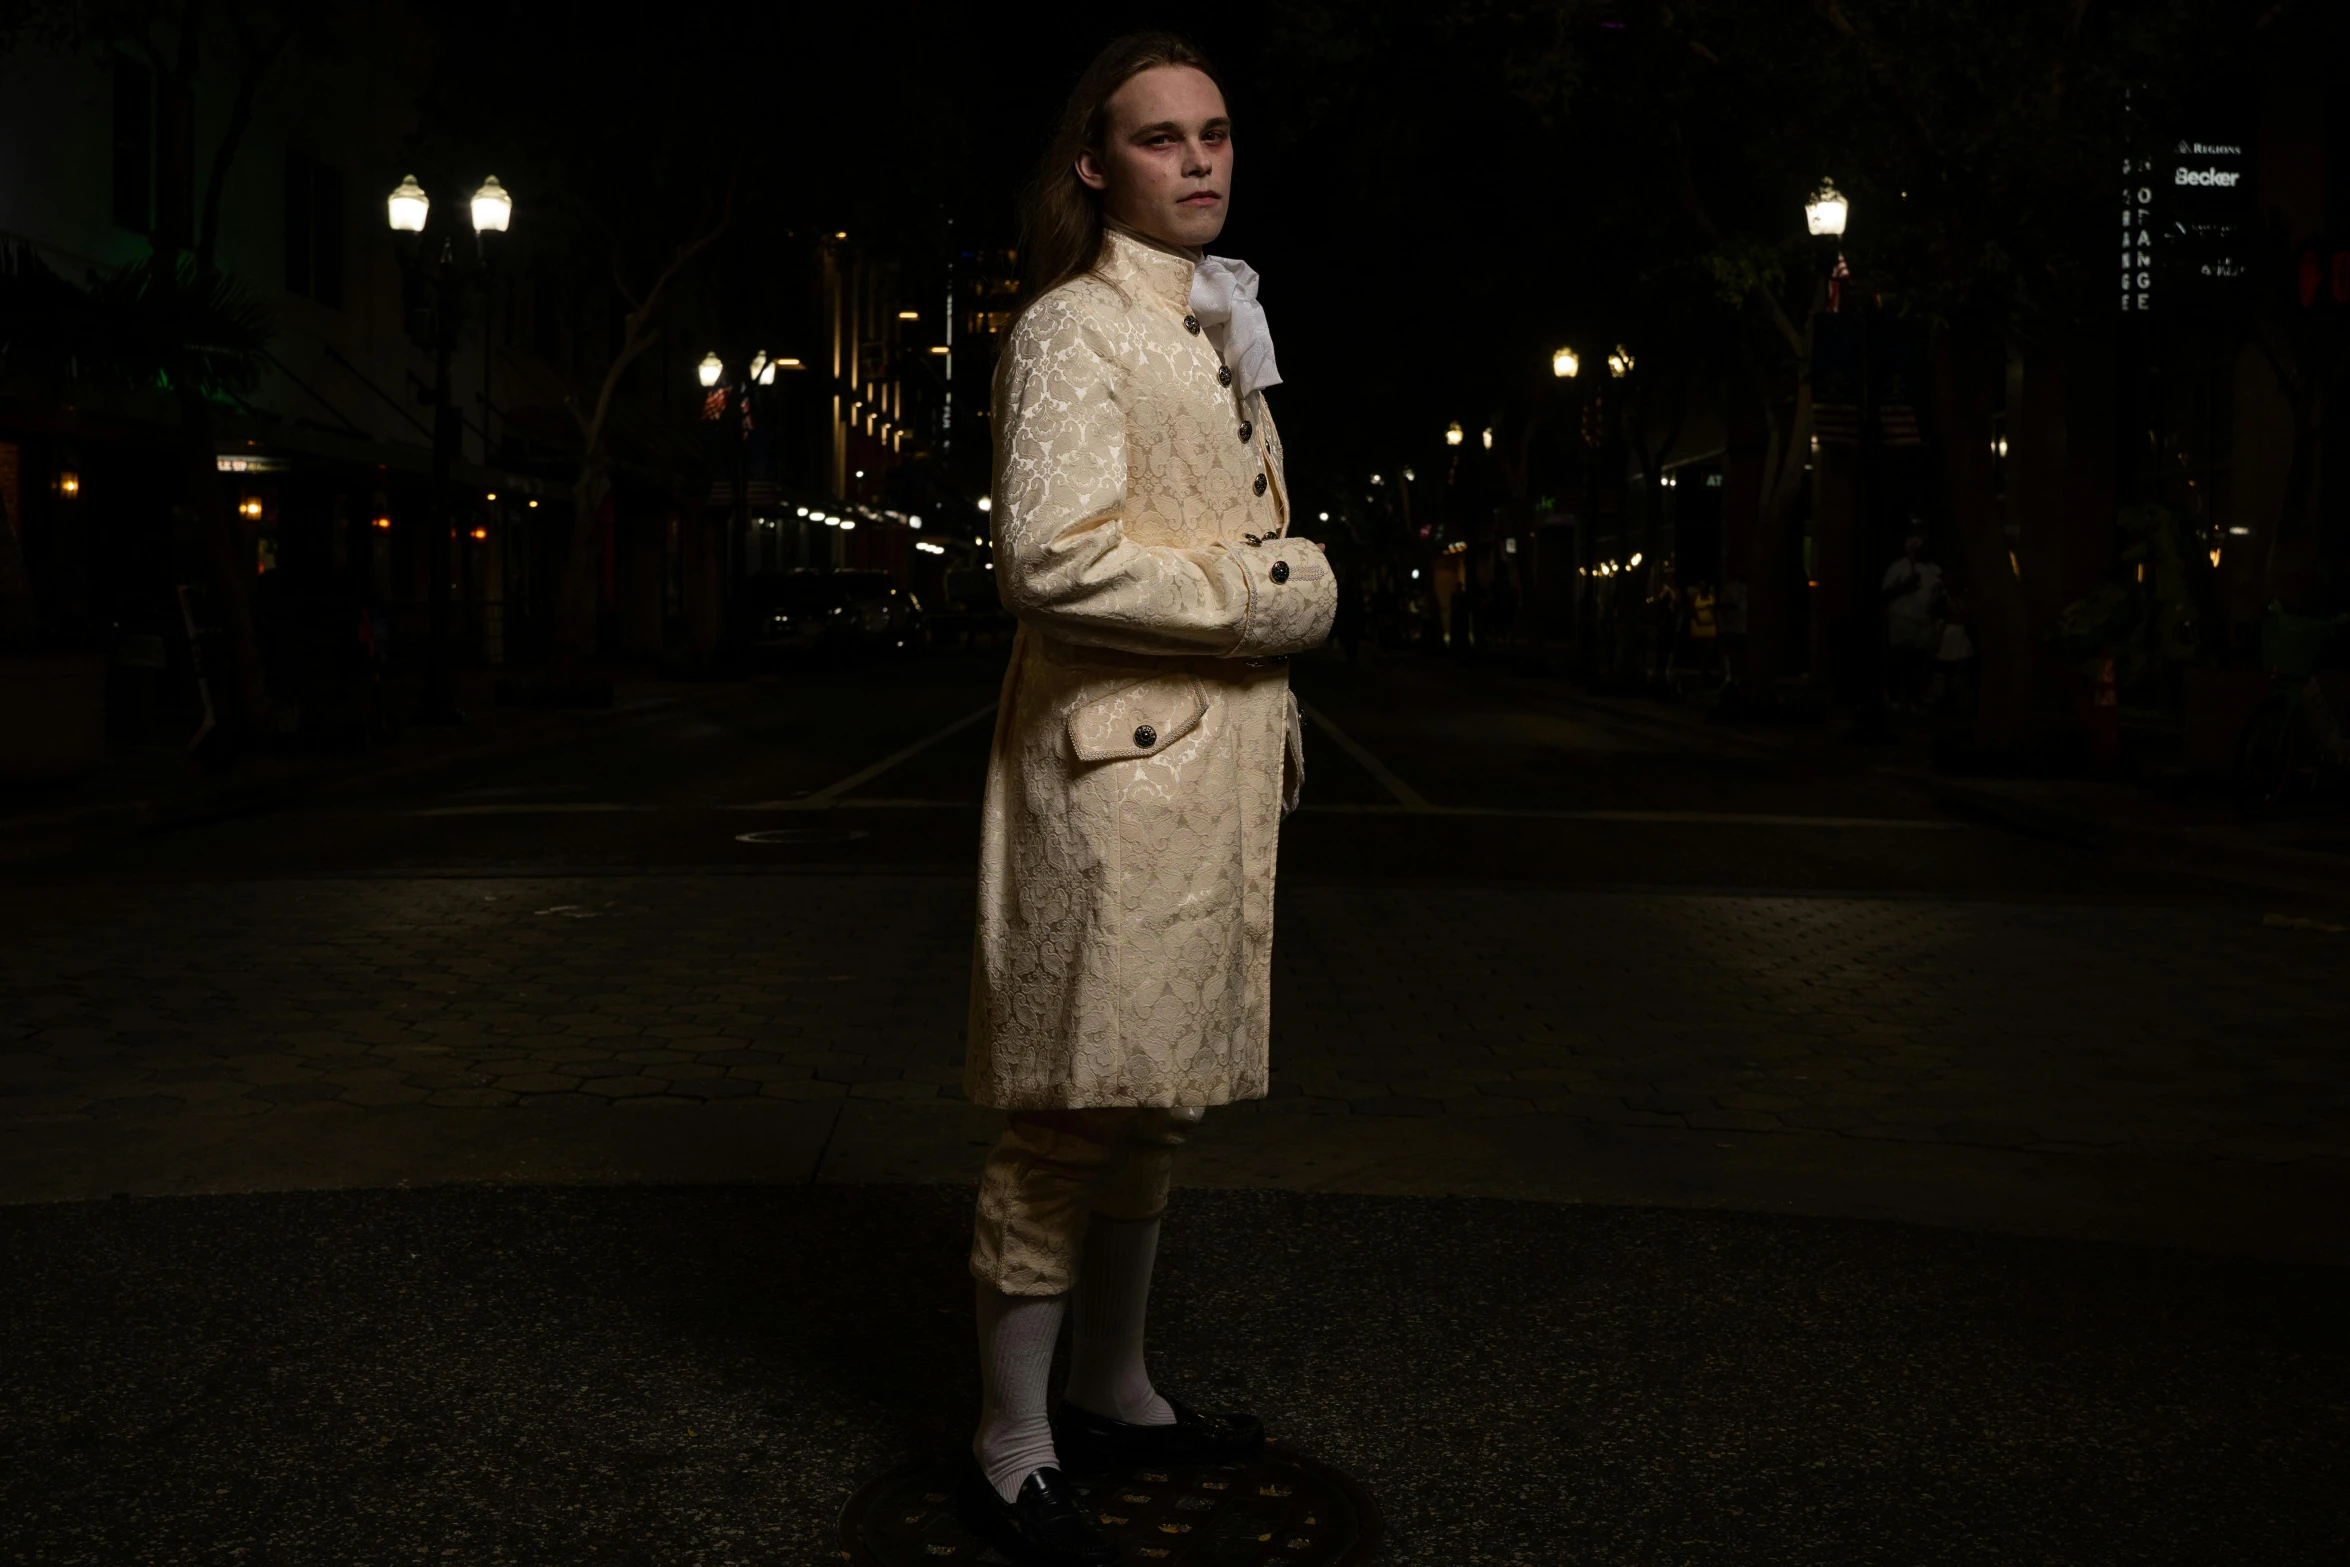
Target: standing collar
{"points": [[1143, 265]]}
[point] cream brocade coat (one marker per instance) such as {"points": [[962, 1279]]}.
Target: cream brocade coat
{"points": [[1146, 733]]}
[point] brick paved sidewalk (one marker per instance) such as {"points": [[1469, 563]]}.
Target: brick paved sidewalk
{"points": [[2152, 1072]]}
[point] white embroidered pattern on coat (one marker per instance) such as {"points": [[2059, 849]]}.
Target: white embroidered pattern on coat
{"points": [[1125, 921]]}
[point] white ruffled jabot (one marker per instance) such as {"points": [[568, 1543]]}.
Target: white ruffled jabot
{"points": [[1224, 297]]}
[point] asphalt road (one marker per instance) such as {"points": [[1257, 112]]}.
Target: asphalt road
{"points": [[1417, 770], [1686, 1147]]}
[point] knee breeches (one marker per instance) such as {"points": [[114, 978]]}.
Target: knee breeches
{"points": [[1052, 1171]]}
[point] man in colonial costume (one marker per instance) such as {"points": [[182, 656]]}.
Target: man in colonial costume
{"points": [[1145, 749]]}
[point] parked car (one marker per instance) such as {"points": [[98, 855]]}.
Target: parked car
{"points": [[826, 615], [973, 615]]}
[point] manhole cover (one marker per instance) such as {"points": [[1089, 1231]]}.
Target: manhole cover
{"points": [[802, 835], [1280, 1509]]}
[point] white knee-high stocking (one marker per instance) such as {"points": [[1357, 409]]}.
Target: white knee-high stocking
{"points": [[1106, 1373], [1016, 1338]]}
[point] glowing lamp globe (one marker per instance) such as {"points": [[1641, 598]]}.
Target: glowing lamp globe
{"points": [[1565, 365], [1826, 211], [1452, 435], [493, 209], [709, 370], [407, 206]]}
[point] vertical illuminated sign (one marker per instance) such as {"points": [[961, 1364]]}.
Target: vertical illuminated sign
{"points": [[2137, 236]]}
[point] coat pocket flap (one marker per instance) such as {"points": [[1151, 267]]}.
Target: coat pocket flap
{"points": [[1142, 719]]}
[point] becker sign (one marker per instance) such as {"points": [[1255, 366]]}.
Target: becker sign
{"points": [[2183, 220]]}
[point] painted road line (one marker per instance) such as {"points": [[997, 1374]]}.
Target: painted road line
{"points": [[533, 808], [1689, 818], [1406, 797], [826, 798]]}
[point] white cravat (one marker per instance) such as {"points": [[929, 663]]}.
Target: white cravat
{"points": [[1224, 297]]}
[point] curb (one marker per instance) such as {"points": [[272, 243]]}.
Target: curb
{"points": [[54, 833], [2247, 864], [2034, 818]]}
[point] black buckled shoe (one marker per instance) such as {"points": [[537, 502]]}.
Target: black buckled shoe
{"points": [[1091, 1444], [1041, 1527]]}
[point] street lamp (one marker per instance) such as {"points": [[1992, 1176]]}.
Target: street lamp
{"points": [[439, 277], [492, 207], [710, 369], [1825, 213], [1565, 365], [1486, 439], [408, 206], [1619, 363], [1452, 434]]}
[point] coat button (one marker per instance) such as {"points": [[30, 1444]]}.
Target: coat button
{"points": [[1280, 572], [1191, 325], [1223, 375], [1145, 736], [1259, 486], [1247, 429]]}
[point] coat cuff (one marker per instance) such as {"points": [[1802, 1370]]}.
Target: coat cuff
{"points": [[1292, 598]]}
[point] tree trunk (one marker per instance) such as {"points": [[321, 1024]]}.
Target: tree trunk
{"points": [[1997, 622], [20, 615], [1767, 611], [575, 609]]}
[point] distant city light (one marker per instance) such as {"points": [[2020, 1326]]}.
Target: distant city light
{"points": [[1452, 437], [987, 503], [1619, 363], [909, 315], [1325, 516], [1565, 365], [1487, 438], [1415, 573], [915, 523]]}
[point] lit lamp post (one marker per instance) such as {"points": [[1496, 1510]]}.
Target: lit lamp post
{"points": [[1824, 217], [758, 370], [438, 277]]}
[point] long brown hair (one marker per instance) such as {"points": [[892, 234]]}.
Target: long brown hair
{"points": [[1060, 217]]}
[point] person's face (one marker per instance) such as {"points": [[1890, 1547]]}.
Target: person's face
{"points": [[1165, 166]]}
